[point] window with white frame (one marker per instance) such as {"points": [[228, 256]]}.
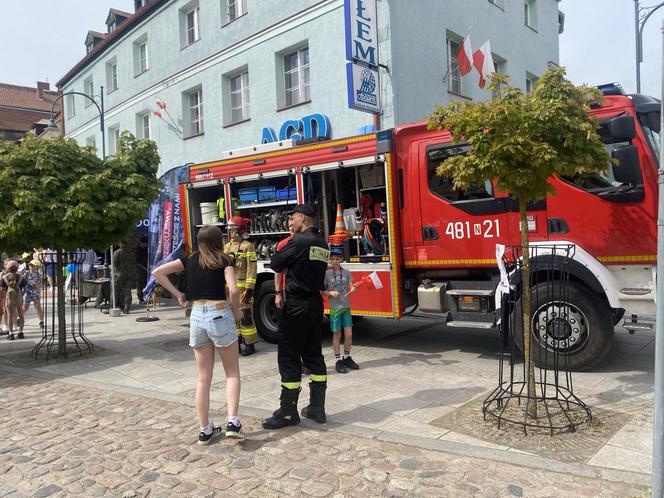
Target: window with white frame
{"points": [[296, 77], [143, 126], [192, 103], [113, 139], [71, 106], [235, 9], [88, 89], [454, 80], [500, 66], [138, 4], [239, 96], [141, 63], [530, 13], [91, 141], [112, 75], [190, 24]]}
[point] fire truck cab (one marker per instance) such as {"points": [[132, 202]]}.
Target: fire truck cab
{"points": [[433, 246]]}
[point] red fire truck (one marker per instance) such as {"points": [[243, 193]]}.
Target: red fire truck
{"points": [[433, 246]]}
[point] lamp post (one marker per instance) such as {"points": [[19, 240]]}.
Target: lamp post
{"points": [[641, 16], [53, 130]]}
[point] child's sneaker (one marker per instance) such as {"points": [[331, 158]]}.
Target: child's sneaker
{"points": [[341, 367], [20, 335], [234, 431], [41, 325], [206, 438], [351, 364]]}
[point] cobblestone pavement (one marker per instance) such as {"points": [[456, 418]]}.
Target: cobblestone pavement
{"points": [[59, 439]]}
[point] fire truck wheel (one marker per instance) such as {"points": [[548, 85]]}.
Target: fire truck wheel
{"points": [[265, 312], [583, 326]]}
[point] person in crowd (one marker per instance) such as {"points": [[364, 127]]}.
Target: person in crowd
{"points": [[33, 280], [13, 284], [124, 267], [4, 328], [141, 268], [243, 253], [304, 258], [338, 285], [208, 273]]}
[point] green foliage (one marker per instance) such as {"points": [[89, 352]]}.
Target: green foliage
{"points": [[56, 194], [521, 140]]}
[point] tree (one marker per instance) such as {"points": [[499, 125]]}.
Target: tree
{"points": [[521, 140], [55, 194]]}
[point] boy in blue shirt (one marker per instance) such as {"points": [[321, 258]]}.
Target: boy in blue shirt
{"points": [[338, 285]]}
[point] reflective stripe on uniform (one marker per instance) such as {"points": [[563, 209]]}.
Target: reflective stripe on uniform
{"points": [[317, 378], [291, 385]]}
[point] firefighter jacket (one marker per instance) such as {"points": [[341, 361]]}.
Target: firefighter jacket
{"points": [[244, 254]]}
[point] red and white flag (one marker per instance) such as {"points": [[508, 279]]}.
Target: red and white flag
{"points": [[371, 281], [483, 61], [464, 56]]}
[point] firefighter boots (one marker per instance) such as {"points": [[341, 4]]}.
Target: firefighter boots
{"points": [[286, 415], [316, 409]]}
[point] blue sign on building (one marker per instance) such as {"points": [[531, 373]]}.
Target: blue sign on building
{"points": [[311, 126]]}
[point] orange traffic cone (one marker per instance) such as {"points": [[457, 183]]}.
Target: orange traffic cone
{"points": [[339, 226], [340, 233]]}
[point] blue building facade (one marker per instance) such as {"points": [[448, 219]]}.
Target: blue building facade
{"points": [[204, 76]]}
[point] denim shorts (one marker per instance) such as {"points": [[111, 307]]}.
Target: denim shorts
{"points": [[209, 325]]}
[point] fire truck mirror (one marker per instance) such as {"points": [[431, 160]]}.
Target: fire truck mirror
{"points": [[622, 128], [628, 172]]}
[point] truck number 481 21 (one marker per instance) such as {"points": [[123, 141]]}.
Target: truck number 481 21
{"points": [[487, 229]]}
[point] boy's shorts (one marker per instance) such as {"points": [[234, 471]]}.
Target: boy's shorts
{"points": [[340, 319], [209, 325]]}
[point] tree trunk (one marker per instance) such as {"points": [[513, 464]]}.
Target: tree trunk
{"points": [[531, 408], [62, 325]]}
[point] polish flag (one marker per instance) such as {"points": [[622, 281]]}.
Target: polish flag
{"points": [[464, 56], [161, 104], [483, 61], [372, 281]]}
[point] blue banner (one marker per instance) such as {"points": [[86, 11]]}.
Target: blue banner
{"points": [[165, 230]]}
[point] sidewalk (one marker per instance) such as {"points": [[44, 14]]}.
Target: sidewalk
{"points": [[411, 400]]}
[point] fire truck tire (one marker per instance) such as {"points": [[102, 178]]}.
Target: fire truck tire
{"points": [[265, 312], [587, 330]]}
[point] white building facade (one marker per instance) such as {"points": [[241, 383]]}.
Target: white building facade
{"points": [[233, 73]]}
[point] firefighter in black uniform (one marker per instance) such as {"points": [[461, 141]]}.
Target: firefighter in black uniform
{"points": [[304, 259]]}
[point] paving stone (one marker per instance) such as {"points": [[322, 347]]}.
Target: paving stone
{"points": [[515, 490], [317, 488], [149, 477], [47, 491]]}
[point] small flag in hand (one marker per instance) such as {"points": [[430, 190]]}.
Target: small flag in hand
{"points": [[371, 281]]}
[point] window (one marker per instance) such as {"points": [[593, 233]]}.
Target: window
{"points": [[296, 76], [91, 141], [235, 9], [190, 25], [454, 81], [88, 89], [71, 106], [138, 4], [530, 13], [192, 103], [443, 186], [113, 139], [141, 63], [143, 126], [500, 65], [112, 75], [531, 82], [89, 47], [239, 97], [112, 26]]}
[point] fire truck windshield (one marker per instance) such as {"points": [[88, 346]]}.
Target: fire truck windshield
{"points": [[650, 123]]}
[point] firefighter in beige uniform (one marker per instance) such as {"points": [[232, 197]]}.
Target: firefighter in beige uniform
{"points": [[244, 254]]}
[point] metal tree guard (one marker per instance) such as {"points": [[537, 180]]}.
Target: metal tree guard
{"points": [[43, 349], [557, 327]]}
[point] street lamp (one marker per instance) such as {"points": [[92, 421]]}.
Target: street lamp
{"points": [[53, 130], [641, 16]]}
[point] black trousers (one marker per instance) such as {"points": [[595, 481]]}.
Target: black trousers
{"points": [[300, 338]]}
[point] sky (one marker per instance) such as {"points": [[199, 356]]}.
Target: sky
{"points": [[43, 39]]}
